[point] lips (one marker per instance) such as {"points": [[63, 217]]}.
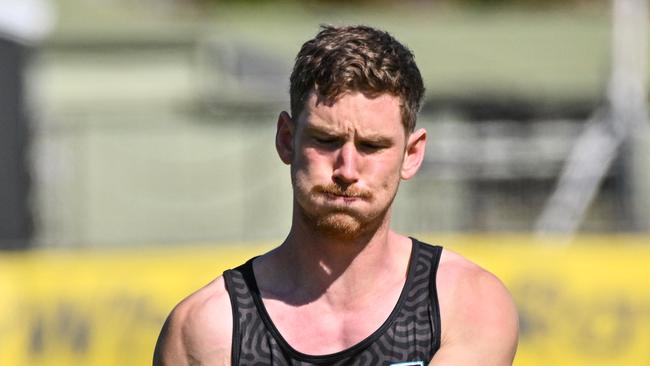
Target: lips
{"points": [[333, 192], [345, 198]]}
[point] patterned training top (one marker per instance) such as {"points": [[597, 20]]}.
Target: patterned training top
{"points": [[409, 336]]}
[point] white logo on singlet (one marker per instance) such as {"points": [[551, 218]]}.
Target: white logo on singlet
{"points": [[408, 363]]}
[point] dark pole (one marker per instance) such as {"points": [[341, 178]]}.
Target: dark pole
{"points": [[16, 224]]}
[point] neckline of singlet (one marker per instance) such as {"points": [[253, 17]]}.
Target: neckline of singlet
{"points": [[249, 277]]}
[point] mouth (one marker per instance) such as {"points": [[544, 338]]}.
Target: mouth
{"points": [[341, 197], [348, 196]]}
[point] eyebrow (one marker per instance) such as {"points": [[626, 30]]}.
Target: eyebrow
{"points": [[375, 138], [322, 130]]}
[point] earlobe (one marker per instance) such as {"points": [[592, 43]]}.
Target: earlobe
{"points": [[284, 137], [414, 153]]}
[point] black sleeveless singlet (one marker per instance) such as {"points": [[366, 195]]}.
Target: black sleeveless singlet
{"points": [[410, 335]]}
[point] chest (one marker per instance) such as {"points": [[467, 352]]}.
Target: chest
{"points": [[317, 328]]}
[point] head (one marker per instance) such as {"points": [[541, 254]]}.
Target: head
{"points": [[350, 139]]}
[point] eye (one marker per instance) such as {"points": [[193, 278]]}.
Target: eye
{"points": [[369, 146], [326, 140]]}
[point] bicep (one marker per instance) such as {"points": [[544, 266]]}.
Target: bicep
{"points": [[477, 353], [169, 347]]}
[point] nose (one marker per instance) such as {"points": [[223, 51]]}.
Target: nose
{"points": [[346, 170]]}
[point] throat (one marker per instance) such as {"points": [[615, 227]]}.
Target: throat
{"points": [[335, 272]]}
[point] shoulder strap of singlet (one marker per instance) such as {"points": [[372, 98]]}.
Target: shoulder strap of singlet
{"points": [[429, 256], [245, 270], [433, 291]]}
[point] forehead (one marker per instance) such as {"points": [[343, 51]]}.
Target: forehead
{"points": [[354, 110]]}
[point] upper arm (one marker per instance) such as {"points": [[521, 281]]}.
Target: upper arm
{"points": [[479, 319], [198, 331]]}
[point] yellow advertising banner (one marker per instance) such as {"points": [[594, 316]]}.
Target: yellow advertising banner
{"points": [[586, 302]]}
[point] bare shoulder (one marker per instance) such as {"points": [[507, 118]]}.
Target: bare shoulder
{"points": [[199, 329], [477, 313]]}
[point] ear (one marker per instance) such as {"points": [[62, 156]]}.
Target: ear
{"points": [[414, 153], [284, 137]]}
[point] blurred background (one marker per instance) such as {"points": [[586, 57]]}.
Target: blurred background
{"points": [[137, 161]]}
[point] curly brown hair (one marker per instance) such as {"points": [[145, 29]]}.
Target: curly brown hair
{"points": [[356, 59]]}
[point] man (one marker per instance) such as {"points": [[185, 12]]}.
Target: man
{"points": [[343, 288]]}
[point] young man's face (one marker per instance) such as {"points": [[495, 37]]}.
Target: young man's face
{"points": [[346, 162]]}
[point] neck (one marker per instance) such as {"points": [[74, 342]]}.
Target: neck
{"points": [[340, 270]]}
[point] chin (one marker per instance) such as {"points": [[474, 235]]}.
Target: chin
{"points": [[345, 226], [339, 226], [338, 222]]}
